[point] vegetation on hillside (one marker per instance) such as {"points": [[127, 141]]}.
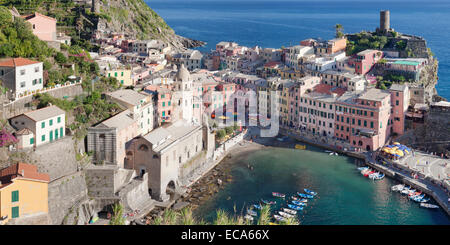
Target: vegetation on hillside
{"points": [[365, 40]]}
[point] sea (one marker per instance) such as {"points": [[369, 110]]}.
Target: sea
{"points": [[345, 197], [276, 23]]}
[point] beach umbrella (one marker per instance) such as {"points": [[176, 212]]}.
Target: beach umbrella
{"points": [[399, 152]]}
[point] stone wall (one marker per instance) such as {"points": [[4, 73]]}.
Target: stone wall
{"points": [[64, 195], [100, 181], [24, 105]]}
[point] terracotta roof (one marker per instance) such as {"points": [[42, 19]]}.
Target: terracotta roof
{"points": [[21, 170], [272, 64], [328, 89], [30, 16], [14, 62]]}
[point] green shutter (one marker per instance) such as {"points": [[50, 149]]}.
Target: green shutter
{"points": [[51, 122], [15, 196], [43, 138], [15, 212], [51, 135], [31, 141], [43, 125], [59, 119], [61, 132], [56, 134]]}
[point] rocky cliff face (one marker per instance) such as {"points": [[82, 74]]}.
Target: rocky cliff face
{"points": [[136, 19]]}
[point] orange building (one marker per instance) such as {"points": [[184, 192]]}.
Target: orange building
{"points": [[23, 192]]}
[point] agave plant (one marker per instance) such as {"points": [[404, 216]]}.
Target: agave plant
{"points": [[264, 217]]}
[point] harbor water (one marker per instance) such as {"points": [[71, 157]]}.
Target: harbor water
{"points": [[345, 197]]}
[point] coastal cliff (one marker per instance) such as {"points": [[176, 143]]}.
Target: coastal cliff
{"points": [[136, 19]]}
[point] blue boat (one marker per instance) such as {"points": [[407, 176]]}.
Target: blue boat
{"points": [[310, 192], [299, 199], [304, 195], [299, 203], [257, 206], [295, 207]]}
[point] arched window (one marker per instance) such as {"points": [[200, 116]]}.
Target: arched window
{"points": [[143, 147]]}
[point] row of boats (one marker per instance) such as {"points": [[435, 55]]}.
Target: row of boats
{"points": [[371, 174], [414, 195], [298, 203]]}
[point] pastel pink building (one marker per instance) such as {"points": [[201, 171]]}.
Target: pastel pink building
{"points": [[365, 60], [43, 27], [164, 101], [363, 118], [400, 103]]}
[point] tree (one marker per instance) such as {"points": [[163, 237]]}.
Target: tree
{"points": [[117, 217], [229, 130], [60, 58], [5, 16], [339, 29], [221, 133]]}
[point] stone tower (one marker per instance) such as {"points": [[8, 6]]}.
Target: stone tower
{"points": [[384, 20]]}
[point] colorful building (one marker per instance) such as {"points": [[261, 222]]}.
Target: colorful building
{"points": [[21, 76], [43, 27], [365, 60], [23, 192]]}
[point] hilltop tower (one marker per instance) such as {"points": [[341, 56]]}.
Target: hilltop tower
{"points": [[385, 19]]}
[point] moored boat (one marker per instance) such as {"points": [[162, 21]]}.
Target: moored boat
{"points": [[427, 205], [299, 199], [286, 215], [268, 202], [277, 194], [257, 206], [251, 212], [295, 207], [289, 211], [310, 192], [397, 187], [362, 168], [305, 195], [279, 218], [299, 203]]}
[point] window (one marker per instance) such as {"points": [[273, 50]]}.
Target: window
{"points": [[51, 122], [36, 69], [15, 212], [61, 132], [31, 141], [59, 119], [163, 104], [22, 84], [43, 125], [43, 138], [15, 196], [22, 72]]}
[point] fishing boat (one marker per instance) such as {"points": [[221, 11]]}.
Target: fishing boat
{"points": [[248, 217], [413, 194], [257, 206], [299, 199], [268, 202], [417, 198], [279, 218], [405, 190], [362, 168], [310, 192], [422, 200], [397, 187], [300, 147], [295, 207], [285, 215], [289, 211], [299, 203], [365, 171], [427, 205], [376, 176], [277, 194], [305, 195], [252, 212], [366, 174]]}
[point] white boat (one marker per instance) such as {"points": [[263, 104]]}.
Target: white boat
{"points": [[405, 190], [252, 212], [397, 187], [286, 215], [279, 218], [289, 211], [427, 205]]}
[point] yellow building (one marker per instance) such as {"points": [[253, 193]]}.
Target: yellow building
{"points": [[23, 192], [122, 75]]}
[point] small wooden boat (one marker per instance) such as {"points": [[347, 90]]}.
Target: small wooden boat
{"points": [[277, 194], [366, 174], [268, 202], [299, 203], [299, 199], [310, 192], [279, 218], [305, 195], [289, 211], [427, 205], [285, 215], [295, 207], [397, 187], [362, 168], [300, 147]]}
